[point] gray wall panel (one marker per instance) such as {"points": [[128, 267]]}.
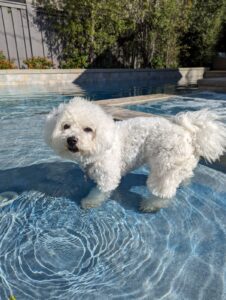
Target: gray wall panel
{"points": [[19, 35], [26, 33], [36, 37], [3, 41], [7, 15]]}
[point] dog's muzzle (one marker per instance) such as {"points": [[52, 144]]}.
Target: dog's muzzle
{"points": [[72, 144]]}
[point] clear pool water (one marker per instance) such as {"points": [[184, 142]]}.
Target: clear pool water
{"points": [[192, 102], [51, 249], [98, 90]]}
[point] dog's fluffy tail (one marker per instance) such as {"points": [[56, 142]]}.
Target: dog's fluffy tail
{"points": [[208, 132]]}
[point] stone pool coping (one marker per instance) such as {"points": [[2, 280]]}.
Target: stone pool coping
{"points": [[213, 84], [134, 99], [116, 109], [184, 76]]}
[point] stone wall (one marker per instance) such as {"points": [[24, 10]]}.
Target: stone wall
{"points": [[183, 76]]}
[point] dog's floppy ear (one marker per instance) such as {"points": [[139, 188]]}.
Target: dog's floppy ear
{"points": [[105, 134], [51, 121], [56, 111]]}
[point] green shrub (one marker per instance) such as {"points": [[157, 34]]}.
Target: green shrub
{"points": [[38, 63], [5, 63], [74, 63]]}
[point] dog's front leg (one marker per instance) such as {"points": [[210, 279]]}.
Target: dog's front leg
{"points": [[94, 199], [107, 181], [154, 203]]}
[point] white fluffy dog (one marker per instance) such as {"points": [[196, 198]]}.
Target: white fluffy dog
{"points": [[106, 150]]}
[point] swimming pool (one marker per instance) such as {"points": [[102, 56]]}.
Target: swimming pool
{"points": [[51, 249]]}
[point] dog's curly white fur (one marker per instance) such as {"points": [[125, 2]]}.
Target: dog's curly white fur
{"points": [[83, 132]]}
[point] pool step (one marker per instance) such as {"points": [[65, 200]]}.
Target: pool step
{"points": [[134, 100], [217, 84], [214, 74], [116, 108], [213, 80], [120, 114]]}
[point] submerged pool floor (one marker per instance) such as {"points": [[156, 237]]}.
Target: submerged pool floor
{"points": [[52, 249]]}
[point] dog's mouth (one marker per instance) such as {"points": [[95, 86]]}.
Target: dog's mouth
{"points": [[73, 149]]}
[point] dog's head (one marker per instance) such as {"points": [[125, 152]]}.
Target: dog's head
{"points": [[78, 129]]}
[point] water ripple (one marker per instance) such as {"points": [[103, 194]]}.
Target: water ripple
{"points": [[50, 248]]}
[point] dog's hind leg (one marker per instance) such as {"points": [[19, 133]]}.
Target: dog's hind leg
{"points": [[162, 188], [163, 185], [154, 203]]}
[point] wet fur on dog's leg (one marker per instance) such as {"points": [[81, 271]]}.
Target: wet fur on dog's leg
{"points": [[94, 199], [154, 204]]}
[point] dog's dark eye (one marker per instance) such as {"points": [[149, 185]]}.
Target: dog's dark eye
{"points": [[66, 126], [88, 129]]}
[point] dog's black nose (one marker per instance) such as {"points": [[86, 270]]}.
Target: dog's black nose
{"points": [[72, 141]]}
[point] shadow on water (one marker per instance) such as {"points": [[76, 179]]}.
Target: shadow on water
{"points": [[219, 165], [65, 179]]}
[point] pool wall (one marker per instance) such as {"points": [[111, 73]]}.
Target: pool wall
{"points": [[183, 76]]}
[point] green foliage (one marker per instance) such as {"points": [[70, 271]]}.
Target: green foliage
{"points": [[5, 63], [221, 43], [132, 33], [198, 44], [158, 26], [38, 63]]}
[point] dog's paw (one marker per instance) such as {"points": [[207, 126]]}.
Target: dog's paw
{"points": [[87, 203], [148, 207], [154, 204]]}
